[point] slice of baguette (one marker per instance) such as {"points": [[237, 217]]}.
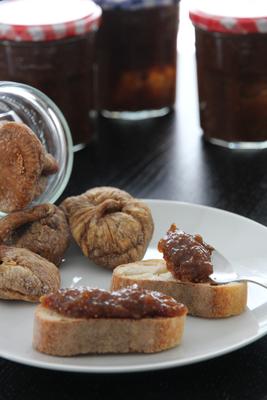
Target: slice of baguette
{"points": [[58, 335], [202, 299]]}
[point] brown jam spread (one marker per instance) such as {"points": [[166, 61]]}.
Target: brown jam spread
{"points": [[131, 302], [187, 257]]}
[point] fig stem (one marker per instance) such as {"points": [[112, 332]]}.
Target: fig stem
{"points": [[108, 206]]}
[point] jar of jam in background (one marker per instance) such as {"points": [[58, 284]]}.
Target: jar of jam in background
{"points": [[231, 52], [49, 45], [136, 58]]}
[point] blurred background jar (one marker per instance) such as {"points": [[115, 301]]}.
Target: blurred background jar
{"points": [[231, 52], [49, 44], [136, 58]]}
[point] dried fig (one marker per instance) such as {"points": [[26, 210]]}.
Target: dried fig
{"points": [[25, 275], [42, 229], [109, 225], [23, 161]]}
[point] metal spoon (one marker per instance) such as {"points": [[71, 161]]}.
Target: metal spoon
{"points": [[224, 273]]}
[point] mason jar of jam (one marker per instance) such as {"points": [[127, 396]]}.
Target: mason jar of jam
{"points": [[231, 53], [49, 45], [136, 58]]}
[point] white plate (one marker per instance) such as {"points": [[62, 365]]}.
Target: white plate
{"points": [[241, 240]]}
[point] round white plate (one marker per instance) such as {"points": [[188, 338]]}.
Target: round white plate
{"points": [[241, 240]]}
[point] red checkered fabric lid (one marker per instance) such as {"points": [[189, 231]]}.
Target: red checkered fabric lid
{"points": [[44, 20], [230, 16]]}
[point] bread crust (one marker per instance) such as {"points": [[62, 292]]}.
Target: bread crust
{"points": [[58, 335], [202, 299]]}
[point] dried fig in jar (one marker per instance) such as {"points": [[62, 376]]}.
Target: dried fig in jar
{"points": [[109, 225], [24, 166], [25, 275], [42, 229]]}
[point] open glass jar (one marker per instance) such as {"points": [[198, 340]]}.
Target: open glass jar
{"points": [[49, 45], [231, 51], [22, 103], [136, 58]]}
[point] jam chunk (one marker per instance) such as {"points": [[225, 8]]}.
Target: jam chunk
{"points": [[131, 302], [187, 257]]}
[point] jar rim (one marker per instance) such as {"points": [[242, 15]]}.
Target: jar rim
{"points": [[58, 135], [39, 24], [238, 17]]}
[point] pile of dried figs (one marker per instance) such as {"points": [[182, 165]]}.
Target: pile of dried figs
{"points": [[110, 226]]}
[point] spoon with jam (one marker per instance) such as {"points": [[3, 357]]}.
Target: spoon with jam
{"points": [[190, 259]]}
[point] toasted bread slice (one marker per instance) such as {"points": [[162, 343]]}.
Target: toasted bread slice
{"points": [[58, 335], [202, 299]]}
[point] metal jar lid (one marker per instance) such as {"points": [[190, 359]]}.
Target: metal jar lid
{"points": [[133, 4], [23, 103]]}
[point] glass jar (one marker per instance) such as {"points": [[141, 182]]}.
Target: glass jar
{"points": [[53, 52], [136, 58], [231, 52], [22, 103]]}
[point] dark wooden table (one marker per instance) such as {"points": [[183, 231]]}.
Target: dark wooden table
{"points": [[164, 159]]}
